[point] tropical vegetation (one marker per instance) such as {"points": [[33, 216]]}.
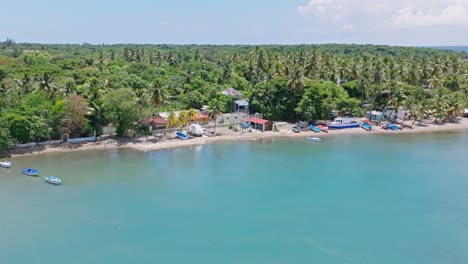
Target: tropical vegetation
{"points": [[48, 90]]}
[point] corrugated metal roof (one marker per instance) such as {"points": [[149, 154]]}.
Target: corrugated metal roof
{"points": [[258, 120], [231, 91], [242, 102]]}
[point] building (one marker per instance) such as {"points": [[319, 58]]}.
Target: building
{"points": [[232, 118], [261, 124], [240, 106], [232, 92], [388, 115]]}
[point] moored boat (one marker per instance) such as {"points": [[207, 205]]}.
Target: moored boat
{"points": [[314, 128], [30, 172], [53, 180], [366, 126], [5, 164], [314, 139], [181, 135], [296, 129], [344, 122]]}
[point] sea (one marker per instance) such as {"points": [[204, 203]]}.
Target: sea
{"points": [[350, 199], [455, 48]]}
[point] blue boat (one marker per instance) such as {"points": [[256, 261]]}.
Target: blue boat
{"points": [[181, 135], [30, 172], [343, 122], [366, 126], [392, 126], [316, 129], [53, 180]]}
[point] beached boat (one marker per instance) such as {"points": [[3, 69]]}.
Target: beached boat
{"points": [[30, 172], [53, 180], [323, 128], [392, 126], [314, 139], [296, 129], [314, 128], [366, 126], [181, 135], [5, 164], [344, 122]]}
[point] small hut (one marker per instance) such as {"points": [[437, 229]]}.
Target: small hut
{"points": [[261, 124]]}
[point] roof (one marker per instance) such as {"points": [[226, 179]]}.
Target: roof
{"points": [[374, 112], [242, 102], [231, 91], [258, 120], [157, 121]]}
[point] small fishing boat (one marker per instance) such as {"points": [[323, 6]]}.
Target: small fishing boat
{"points": [[366, 126], [393, 127], [314, 139], [30, 172], [181, 135], [296, 129], [5, 164], [314, 128], [323, 128], [53, 180]]}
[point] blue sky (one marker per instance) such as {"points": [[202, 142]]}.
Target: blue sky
{"points": [[394, 22]]}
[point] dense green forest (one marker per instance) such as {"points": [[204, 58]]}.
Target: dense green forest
{"points": [[47, 90]]}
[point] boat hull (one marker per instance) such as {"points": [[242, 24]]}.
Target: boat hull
{"points": [[53, 180], [315, 129], [366, 126], [27, 172], [343, 126], [181, 135], [5, 164]]}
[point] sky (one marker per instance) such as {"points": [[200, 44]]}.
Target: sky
{"points": [[391, 22]]}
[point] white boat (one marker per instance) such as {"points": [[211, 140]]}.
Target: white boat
{"points": [[5, 164], [53, 180], [344, 122], [314, 139]]}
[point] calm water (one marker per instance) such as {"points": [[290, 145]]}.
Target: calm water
{"points": [[351, 199]]}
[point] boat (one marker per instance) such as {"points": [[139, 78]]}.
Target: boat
{"points": [[181, 135], [30, 172], [314, 139], [53, 180], [323, 128], [393, 127], [296, 129], [5, 164], [344, 122], [314, 128], [366, 126]]}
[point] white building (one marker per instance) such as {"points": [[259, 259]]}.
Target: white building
{"points": [[388, 115]]}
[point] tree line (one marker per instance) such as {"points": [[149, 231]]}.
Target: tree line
{"points": [[48, 90]]}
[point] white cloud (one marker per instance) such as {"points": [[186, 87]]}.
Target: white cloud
{"points": [[389, 14], [455, 14]]}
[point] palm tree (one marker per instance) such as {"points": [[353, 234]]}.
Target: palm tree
{"points": [[215, 108], [159, 94], [45, 82], [296, 81], [172, 120]]}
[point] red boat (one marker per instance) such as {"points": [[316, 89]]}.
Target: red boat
{"points": [[323, 128]]}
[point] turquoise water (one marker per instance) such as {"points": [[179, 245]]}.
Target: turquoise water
{"points": [[351, 199]]}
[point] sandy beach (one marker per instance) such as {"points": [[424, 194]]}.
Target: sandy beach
{"points": [[153, 143]]}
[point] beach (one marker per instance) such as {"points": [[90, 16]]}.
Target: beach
{"points": [[154, 143]]}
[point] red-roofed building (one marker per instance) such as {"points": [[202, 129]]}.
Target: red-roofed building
{"points": [[262, 124]]}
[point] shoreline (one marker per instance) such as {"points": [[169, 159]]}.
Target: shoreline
{"points": [[155, 143]]}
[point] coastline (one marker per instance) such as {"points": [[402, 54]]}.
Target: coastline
{"points": [[154, 143]]}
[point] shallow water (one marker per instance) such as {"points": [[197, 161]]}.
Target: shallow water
{"points": [[351, 199]]}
